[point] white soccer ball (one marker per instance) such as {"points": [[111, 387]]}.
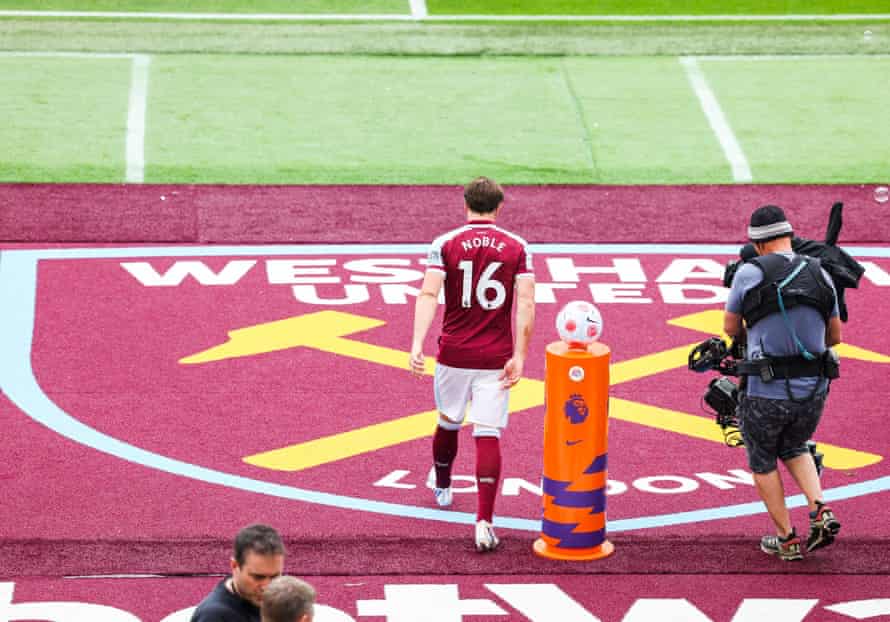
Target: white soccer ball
{"points": [[579, 323]]}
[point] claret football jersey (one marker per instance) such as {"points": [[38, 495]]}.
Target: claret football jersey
{"points": [[481, 263]]}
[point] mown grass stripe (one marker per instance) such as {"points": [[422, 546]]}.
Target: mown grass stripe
{"points": [[665, 18], [587, 135]]}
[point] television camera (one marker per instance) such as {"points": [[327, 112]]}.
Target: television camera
{"points": [[722, 393]]}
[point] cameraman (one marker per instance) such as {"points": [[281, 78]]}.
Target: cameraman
{"points": [[790, 312]]}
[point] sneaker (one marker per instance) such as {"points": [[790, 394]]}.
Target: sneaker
{"points": [[485, 538], [787, 550], [443, 496], [823, 528]]}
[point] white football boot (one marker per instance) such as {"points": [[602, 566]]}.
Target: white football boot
{"points": [[444, 497], [485, 538]]}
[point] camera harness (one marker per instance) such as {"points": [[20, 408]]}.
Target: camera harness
{"points": [[767, 298]]}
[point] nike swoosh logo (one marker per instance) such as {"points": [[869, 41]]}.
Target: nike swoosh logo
{"points": [[570, 443]]}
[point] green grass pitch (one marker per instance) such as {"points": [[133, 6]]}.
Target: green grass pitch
{"points": [[654, 7], [376, 102], [465, 7]]}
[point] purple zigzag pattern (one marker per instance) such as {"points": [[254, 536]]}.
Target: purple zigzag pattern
{"points": [[594, 499], [598, 464], [570, 540]]}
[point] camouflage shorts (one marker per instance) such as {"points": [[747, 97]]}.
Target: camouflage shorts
{"points": [[777, 429]]}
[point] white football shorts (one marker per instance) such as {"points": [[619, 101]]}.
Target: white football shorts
{"points": [[456, 387]]}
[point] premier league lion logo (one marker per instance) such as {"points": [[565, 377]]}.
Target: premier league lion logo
{"points": [[575, 408]]}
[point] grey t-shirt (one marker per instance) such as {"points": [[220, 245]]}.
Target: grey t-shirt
{"points": [[771, 335]]}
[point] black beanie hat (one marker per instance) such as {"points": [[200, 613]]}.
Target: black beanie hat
{"points": [[768, 222]]}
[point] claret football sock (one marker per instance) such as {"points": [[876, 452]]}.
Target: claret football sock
{"points": [[444, 452], [488, 473]]}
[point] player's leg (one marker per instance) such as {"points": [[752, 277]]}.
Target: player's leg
{"points": [[488, 412], [444, 452], [488, 475], [452, 392]]}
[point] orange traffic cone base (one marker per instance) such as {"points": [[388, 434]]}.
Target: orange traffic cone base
{"points": [[550, 552]]}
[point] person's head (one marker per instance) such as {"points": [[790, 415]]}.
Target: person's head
{"points": [[287, 599], [483, 196], [769, 230], [257, 558]]}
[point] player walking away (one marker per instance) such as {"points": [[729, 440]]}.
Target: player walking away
{"points": [[481, 267]]}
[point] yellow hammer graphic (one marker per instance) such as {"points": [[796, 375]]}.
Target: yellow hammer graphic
{"points": [[333, 331]]}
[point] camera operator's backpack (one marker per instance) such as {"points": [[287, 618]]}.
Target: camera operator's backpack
{"points": [[803, 281]]}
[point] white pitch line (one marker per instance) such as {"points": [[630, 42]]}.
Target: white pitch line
{"points": [[266, 17], [325, 17], [418, 9], [705, 57], [67, 54], [136, 120], [794, 57], [113, 576], [741, 172], [136, 110]]}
